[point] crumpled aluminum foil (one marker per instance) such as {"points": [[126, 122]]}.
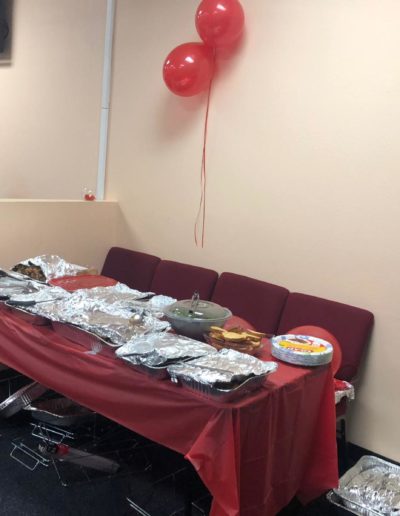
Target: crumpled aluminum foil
{"points": [[10, 286], [371, 487], [117, 296], [54, 266], [347, 392], [92, 310], [41, 295], [159, 302], [225, 367], [159, 349]]}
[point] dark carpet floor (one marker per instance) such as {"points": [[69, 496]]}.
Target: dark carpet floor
{"points": [[158, 481]]}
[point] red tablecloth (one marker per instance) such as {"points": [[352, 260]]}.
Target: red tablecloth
{"points": [[254, 455]]}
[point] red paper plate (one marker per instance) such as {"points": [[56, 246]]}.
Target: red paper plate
{"points": [[72, 283]]}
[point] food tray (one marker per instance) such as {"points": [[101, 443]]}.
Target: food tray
{"points": [[61, 412], [29, 317], [21, 398], [72, 283], [224, 395], [370, 488], [158, 372], [3, 307], [91, 341]]}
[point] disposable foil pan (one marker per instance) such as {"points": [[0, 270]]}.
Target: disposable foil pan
{"points": [[21, 398], [27, 316], [370, 488], [158, 372], [92, 342], [61, 412], [210, 392]]}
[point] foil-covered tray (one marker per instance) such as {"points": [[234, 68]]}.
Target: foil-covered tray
{"points": [[28, 316], [109, 312], [370, 488], [61, 412], [21, 398], [49, 266], [226, 375], [209, 392], [11, 286], [92, 342], [157, 372], [153, 353], [43, 295]]}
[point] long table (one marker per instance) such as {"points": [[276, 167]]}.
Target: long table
{"points": [[254, 455]]}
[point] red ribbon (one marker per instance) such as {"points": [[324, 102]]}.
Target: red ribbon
{"points": [[201, 213]]}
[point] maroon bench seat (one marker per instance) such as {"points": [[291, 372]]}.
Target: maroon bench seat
{"points": [[181, 280], [256, 301], [350, 325], [133, 268]]}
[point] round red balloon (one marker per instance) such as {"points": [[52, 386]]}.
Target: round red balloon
{"points": [[188, 69], [219, 22]]}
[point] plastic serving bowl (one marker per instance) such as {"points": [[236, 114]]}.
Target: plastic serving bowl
{"points": [[195, 319]]}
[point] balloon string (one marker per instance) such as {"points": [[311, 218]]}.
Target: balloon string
{"points": [[201, 213]]}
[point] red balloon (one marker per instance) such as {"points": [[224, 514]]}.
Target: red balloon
{"points": [[188, 69], [321, 333], [219, 22]]}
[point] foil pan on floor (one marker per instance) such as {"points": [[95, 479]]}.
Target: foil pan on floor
{"points": [[92, 342], [21, 398], [61, 412], [370, 488]]}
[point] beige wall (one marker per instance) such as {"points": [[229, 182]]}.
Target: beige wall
{"points": [[79, 231], [303, 158], [51, 98]]}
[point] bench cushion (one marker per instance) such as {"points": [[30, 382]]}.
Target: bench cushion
{"points": [[133, 268]]}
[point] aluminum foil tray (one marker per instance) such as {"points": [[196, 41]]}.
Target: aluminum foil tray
{"points": [[92, 342], [3, 307], [53, 266], [61, 412], [370, 488], [21, 398], [223, 395], [29, 317], [158, 372]]}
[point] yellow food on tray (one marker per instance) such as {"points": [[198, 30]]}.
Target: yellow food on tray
{"points": [[246, 341]]}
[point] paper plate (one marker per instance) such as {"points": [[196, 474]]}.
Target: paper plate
{"points": [[301, 350]]}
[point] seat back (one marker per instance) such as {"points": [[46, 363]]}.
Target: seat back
{"points": [[181, 280], [350, 325], [133, 268], [258, 302]]}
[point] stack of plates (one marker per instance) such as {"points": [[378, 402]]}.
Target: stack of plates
{"points": [[302, 350]]}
